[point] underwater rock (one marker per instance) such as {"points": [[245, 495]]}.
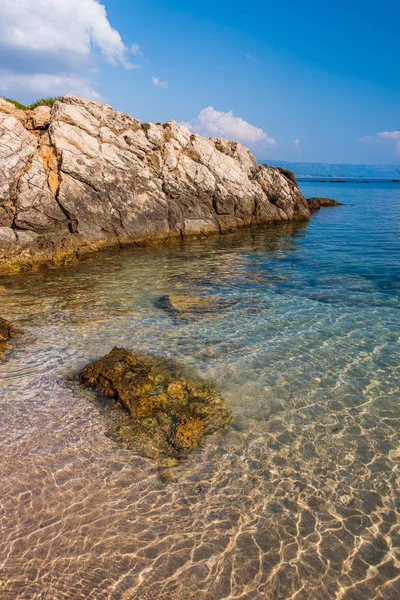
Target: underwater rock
{"points": [[6, 333], [316, 203], [188, 306], [169, 414], [184, 304]]}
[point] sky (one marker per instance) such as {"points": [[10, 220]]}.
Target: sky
{"points": [[296, 81]]}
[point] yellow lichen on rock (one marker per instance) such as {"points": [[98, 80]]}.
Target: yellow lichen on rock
{"points": [[187, 435], [6, 333]]}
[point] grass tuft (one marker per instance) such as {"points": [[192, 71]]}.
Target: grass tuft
{"points": [[219, 147], [40, 102]]}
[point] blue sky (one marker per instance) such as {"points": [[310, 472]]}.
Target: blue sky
{"points": [[306, 81]]}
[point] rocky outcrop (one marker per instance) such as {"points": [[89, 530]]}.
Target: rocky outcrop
{"points": [[169, 415], [83, 176], [33, 120], [316, 203], [6, 333]]}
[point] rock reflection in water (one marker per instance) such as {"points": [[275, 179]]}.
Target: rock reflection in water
{"points": [[299, 499]]}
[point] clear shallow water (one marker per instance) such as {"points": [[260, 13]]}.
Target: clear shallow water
{"points": [[299, 499]]}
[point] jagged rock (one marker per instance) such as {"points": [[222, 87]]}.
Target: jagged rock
{"points": [[169, 415], [8, 108], [289, 174], [40, 117], [316, 203], [6, 333], [84, 175]]}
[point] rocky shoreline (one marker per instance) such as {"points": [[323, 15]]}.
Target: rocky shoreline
{"points": [[81, 176]]}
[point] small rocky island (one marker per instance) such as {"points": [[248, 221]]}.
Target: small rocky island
{"points": [[315, 204], [80, 176], [167, 413]]}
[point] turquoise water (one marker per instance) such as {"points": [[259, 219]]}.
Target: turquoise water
{"points": [[299, 499]]}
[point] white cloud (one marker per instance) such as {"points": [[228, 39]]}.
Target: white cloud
{"points": [[44, 84], [385, 135], [394, 135], [57, 42], [135, 49], [57, 26], [211, 122], [296, 143], [159, 83]]}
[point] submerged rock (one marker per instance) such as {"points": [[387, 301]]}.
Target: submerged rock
{"points": [[188, 305], [316, 203], [82, 176], [6, 333], [169, 414]]}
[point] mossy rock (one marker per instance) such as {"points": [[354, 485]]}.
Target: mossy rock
{"points": [[169, 414], [6, 333]]}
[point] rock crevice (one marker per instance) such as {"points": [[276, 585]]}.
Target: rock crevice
{"points": [[82, 176]]}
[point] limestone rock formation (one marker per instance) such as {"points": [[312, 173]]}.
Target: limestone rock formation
{"points": [[170, 415], [83, 176]]}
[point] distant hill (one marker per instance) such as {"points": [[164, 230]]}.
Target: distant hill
{"points": [[337, 171]]}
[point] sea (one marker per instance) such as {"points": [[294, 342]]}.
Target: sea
{"points": [[299, 499]]}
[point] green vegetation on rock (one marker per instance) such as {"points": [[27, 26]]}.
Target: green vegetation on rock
{"points": [[39, 102]]}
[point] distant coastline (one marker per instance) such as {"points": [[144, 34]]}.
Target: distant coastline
{"points": [[310, 179], [326, 171]]}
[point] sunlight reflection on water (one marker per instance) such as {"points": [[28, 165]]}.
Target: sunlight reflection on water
{"points": [[298, 499]]}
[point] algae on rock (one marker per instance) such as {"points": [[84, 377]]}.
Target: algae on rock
{"points": [[6, 332], [169, 414]]}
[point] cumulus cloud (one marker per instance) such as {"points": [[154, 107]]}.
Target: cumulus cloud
{"points": [[211, 122], [157, 82], [45, 84], [61, 26], [296, 143], [392, 136], [57, 40]]}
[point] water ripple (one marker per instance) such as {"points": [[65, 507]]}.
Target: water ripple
{"points": [[298, 500]]}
